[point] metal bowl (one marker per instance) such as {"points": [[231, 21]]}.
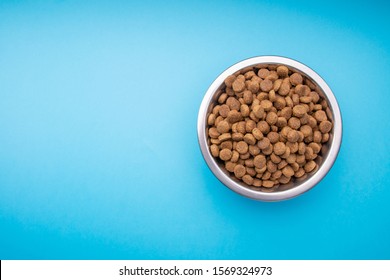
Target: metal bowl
{"points": [[296, 186]]}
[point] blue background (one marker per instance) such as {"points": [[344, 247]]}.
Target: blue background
{"points": [[99, 156]]}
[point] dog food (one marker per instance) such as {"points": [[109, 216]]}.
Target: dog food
{"points": [[268, 126]]}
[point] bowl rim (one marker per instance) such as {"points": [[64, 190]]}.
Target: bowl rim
{"points": [[305, 185]]}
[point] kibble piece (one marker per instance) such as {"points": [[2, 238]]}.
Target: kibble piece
{"points": [[224, 137], [222, 98], [239, 170], [271, 167], [296, 79], [213, 132], [325, 126], [247, 179], [273, 137], [248, 97], [242, 147], [237, 136], [223, 127], [230, 166], [320, 115], [288, 171], [282, 71], [257, 133], [253, 86], [293, 136], [266, 104], [272, 118], [233, 116], [325, 138], [241, 127], [226, 145], [211, 119], [299, 111], [225, 154], [306, 130], [250, 139], [229, 80], [310, 166], [294, 123], [299, 173], [244, 109], [284, 180], [251, 171], [238, 85], [263, 126], [254, 150], [264, 143], [263, 73], [214, 149], [279, 148], [257, 183], [266, 85], [309, 153], [235, 156], [233, 103], [268, 184], [259, 161], [258, 111], [224, 110]]}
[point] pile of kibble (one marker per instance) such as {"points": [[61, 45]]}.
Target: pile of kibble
{"points": [[268, 125]]}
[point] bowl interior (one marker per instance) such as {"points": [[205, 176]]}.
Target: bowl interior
{"points": [[320, 158]]}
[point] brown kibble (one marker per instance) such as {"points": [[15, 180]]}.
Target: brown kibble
{"points": [[266, 104], [223, 127], [282, 71], [238, 85], [250, 139], [225, 154], [224, 110], [248, 97], [279, 148], [293, 136], [288, 171], [235, 156], [233, 103], [306, 130], [239, 170], [253, 86], [269, 127], [233, 116], [263, 73], [214, 149], [244, 109], [299, 173], [257, 133], [325, 126], [226, 145], [254, 150], [310, 166], [242, 147], [264, 143], [268, 184], [271, 118], [299, 111], [247, 179], [224, 137], [259, 161], [292, 146], [273, 137], [320, 116], [258, 111], [294, 123], [257, 183], [263, 126], [213, 132], [229, 80], [296, 79]]}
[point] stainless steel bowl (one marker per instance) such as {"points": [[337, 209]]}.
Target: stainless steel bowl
{"points": [[297, 186]]}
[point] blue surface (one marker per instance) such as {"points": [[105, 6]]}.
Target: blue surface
{"points": [[98, 148]]}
